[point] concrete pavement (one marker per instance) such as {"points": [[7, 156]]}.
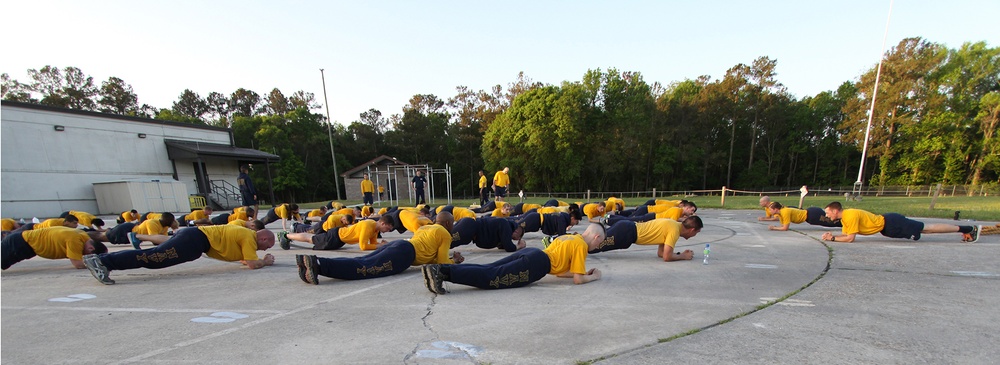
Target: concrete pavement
{"points": [[877, 300]]}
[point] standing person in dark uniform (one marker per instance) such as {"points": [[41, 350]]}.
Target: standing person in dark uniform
{"points": [[418, 187], [247, 189]]}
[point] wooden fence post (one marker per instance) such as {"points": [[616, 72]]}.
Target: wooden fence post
{"points": [[723, 196], [936, 192]]}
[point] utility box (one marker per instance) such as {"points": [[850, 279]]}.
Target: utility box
{"points": [[142, 195]]}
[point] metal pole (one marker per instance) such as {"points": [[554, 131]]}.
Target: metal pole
{"points": [[329, 132], [871, 111]]}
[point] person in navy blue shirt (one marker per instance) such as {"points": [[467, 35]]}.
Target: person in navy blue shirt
{"points": [[418, 187]]}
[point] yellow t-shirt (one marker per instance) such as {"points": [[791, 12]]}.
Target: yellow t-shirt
{"points": [[367, 210], [461, 213], [238, 222], [230, 243], [239, 209], [501, 179], [613, 203], [367, 186], [129, 216], [57, 242], [238, 216], [381, 189], [151, 227], [659, 208], [51, 222], [431, 243], [482, 181], [767, 213], [86, 219], [335, 205], [860, 221], [499, 213], [8, 224], [567, 253], [792, 215], [591, 210], [284, 211], [527, 206], [196, 215], [152, 215], [315, 213], [672, 213], [345, 211], [363, 232], [658, 232], [672, 203], [549, 210], [413, 221], [333, 221]]}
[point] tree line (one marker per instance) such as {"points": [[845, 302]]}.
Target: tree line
{"points": [[935, 120]]}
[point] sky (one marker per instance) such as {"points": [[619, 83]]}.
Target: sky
{"points": [[378, 54]]}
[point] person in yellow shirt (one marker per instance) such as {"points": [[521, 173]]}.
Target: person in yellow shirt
{"points": [[521, 208], [286, 212], [364, 233], [151, 230], [54, 243], [484, 193], [68, 221], [661, 232], [764, 202], [316, 215], [429, 245], [225, 243], [893, 225], [239, 213], [594, 211], [10, 225], [566, 257], [458, 212], [381, 192], [197, 217], [786, 216], [502, 211], [255, 224], [403, 220], [367, 190], [89, 222], [678, 213], [500, 182], [131, 216]]}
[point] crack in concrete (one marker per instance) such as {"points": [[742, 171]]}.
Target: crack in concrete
{"points": [[437, 337]]}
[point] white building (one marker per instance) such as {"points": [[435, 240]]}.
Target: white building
{"points": [[51, 157]]}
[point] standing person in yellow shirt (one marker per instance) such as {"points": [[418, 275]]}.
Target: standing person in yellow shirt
{"points": [[500, 182], [225, 242], [429, 245], [381, 192], [566, 257], [661, 232], [484, 194], [893, 225], [368, 190]]}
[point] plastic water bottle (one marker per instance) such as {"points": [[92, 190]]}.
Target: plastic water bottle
{"points": [[707, 250]]}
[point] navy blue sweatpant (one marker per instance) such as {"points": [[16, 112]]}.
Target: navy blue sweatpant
{"points": [[186, 245], [390, 259], [620, 236], [519, 269]]}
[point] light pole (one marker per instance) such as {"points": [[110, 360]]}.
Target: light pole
{"points": [[871, 111], [329, 132]]}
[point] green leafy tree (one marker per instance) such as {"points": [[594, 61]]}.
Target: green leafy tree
{"points": [[15, 91], [117, 97], [244, 102], [277, 103], [69, 88], [190, 104]]}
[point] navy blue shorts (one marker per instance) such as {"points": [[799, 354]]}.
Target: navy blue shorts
{"points": [[329, 240], [501, 191], [898, 226], [119, 234]]}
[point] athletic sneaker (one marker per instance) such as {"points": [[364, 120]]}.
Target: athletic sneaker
{"points": [[433, 279], [973, 236], [547, 240], [283, 240], [97, 269], [135, 240], [308, 266]]}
